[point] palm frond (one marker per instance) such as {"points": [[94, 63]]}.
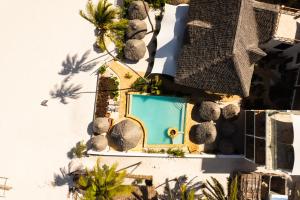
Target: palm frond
{"points": [[233, 193], [209, 196], [218, 186], [214, 191]]}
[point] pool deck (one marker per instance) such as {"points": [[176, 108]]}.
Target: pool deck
{"points": [[121, 70], [189, 122]]}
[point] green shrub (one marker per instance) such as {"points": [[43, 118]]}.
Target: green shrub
{"points": [[156, 3], [155, 151], [140, 85], [113, 87], [79, 150], [103, 183], [128, 75], [176, 152], [102, 69]]}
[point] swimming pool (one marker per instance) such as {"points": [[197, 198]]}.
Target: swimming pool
{"points": [[158, 114]]}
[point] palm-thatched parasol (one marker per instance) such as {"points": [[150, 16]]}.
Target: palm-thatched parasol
{"points": [[203, 133], [125, 135], [136, 29], [209, 111], [101, 125], [99, 143], [134, 49], [137, 10], [230, 111], [226, 147], [228, 128]]}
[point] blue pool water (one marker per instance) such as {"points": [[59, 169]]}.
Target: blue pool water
{"points": [[159, 113]]}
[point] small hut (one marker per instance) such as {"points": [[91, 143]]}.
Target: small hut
{"points": [[134, 49], [209, 111], [230, 111], [99, 143], [125, 135], [101, 125], [138, 10], [203, 133]]}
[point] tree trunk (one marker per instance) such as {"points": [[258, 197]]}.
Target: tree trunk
{"points": [[152, 27]]}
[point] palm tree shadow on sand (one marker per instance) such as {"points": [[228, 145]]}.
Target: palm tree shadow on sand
{"points": [[73, 65], [63, 92]]}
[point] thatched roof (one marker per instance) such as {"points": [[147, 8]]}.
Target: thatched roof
{"points": [[230, 111], [134, 49], [136, 29], [99, 142], [138, 10], [125, 135], [101, 125], [203, 133], [209, 111], [266, 24], [221, 44]]}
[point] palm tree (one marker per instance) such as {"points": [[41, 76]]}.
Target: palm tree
{"points": [[105, 18], [103, 183], [215, 190], [183, 189]]}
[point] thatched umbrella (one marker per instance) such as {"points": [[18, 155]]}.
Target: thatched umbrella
{"points": [[209, 111], [228, 128], [101, 125], [125, 135], [134, 49], [137, 10], [203, 133], [99, 143], [226, 147], [230, 111], [136, 29]]}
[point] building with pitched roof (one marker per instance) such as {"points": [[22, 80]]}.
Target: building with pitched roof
{"points": [[221, 46]]}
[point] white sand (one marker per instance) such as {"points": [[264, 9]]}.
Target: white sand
{"points": [[36, 37]]}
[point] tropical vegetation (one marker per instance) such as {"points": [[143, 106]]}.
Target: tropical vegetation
{"points": [[79, 150], [152, 86], [102, 69], [215, 191], [176, 152], [109, 26], [182, 190], [103, 183]]}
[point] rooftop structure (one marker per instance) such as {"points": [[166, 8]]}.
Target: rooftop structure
{"points": [[221, 45]]}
